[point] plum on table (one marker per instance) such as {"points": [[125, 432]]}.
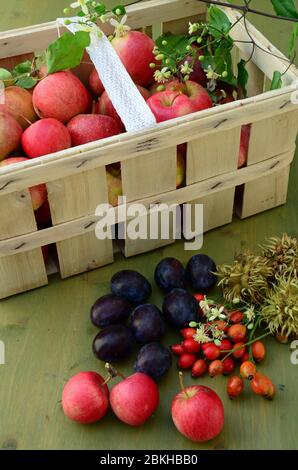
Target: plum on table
{"points": [[113, 343], [200, 271], [147, 323], [109, 310], [170, 273], [154, 360], [180, 308], [131, 285]]}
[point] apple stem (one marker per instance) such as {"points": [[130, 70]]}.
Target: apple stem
{"points": [[113, 372], [22, 116], [181, 381]]}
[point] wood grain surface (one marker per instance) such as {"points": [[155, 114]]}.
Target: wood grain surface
{"points": [[48, 335]]}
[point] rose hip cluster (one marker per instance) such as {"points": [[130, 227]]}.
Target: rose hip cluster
{"points": [[202, 353]]}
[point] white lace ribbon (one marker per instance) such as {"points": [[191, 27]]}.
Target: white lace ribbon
{"points": [[125, 96]]}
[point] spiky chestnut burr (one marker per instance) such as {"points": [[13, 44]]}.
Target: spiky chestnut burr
{"points": [[282, 253], [280, 309], [247, 279]]}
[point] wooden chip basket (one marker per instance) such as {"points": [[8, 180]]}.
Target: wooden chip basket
{"points": [[76, 178]]}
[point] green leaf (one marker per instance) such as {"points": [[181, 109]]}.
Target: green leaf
{"points": [[26, 82], [100, 9], [219, 23], [67, 51], [242, 76], [276, 81], [293, 40], [176, 44], [223, 62], [285, 8], [24, 67]]}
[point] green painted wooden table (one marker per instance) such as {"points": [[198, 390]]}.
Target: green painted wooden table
{"points": [[48, 336]]}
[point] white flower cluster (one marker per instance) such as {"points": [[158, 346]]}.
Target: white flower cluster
{"points": [[186, 69], [193, 27], [212, 313], [201, 335], [162, 75]]}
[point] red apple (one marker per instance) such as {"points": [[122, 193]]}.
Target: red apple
{"points": [[195, 92], [85, 398], [38, 193], [86, 128], [167, 105], [18, 103], [244, 145], [135, 50], [10, 134], [60, 96], [172, 85], [44, 137], [135, 399], [43, 215], [95, 83], [179, 99], [198, 413], [105, 106]]}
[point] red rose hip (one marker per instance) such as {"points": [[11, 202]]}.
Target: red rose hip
{"points": [[199, 368], [191, 346], [186, 360]]}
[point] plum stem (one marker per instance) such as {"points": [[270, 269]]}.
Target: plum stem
{"points": [[181, 381]]}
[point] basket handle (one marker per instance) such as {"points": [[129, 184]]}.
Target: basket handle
{"points": [[125, 96]]}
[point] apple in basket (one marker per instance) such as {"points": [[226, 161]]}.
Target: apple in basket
{"points": [[44, 137], [135, 50], [105, 106], [18, 103], [95, 83], [178, 100], [244, 145], [61, 96], [38, 193], [114, 188], [86, 128], [10, 134]]}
